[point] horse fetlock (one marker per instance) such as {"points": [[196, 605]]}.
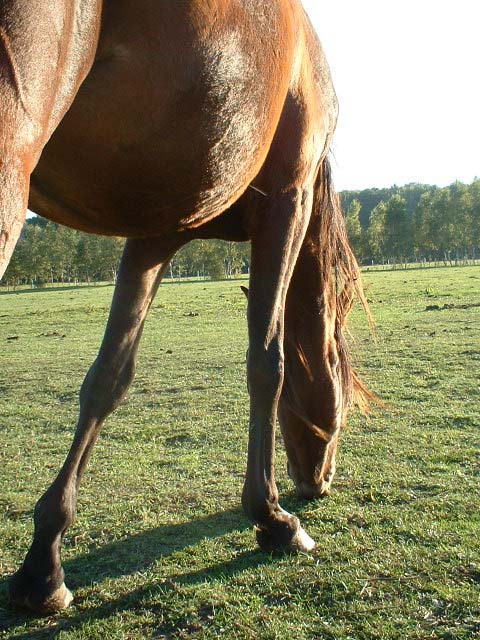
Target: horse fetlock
{"points": [[43, 595], [257, 508]]}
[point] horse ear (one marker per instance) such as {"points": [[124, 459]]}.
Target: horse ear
{"points": [[245, 290]]}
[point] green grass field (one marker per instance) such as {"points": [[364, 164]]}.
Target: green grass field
{"points": [[160, 547]]}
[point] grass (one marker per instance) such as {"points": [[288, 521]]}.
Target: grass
{"points": [[160, 547]]}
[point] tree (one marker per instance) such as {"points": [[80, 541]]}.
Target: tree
{"points": [[34, 254], [422, 227], [376, 232], [397, 228], [474, 192], [356, 234]]}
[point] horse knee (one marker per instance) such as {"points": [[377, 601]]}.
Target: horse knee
{"points": [[265, 369]]}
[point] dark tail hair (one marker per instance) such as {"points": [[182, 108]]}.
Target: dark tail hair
{"points": [[341, 280]]}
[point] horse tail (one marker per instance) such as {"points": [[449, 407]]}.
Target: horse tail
{"points": [[320, 381]]}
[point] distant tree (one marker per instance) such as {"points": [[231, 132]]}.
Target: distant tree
{"points": [[35, 255], [436, 230], [376, 232], [461, 220], [370, 198], [423, 223], [110, 252], [232, 257], [97, 257], [60, 251], [356, 234], [397, 228], [474, 192]]}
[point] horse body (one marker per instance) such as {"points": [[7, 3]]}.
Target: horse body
{"points": [[175, 118], [155, 129]]}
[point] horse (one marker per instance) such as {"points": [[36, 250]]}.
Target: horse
{"points": [[162, 123]]}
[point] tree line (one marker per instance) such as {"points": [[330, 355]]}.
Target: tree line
{"points": [[410, 223], [414, 223], [51, 253]]}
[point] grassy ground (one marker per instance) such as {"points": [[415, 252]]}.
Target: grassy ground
{"points": [[161, 549]]}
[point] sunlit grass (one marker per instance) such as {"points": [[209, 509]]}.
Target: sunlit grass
{"points": [[161, 549]]}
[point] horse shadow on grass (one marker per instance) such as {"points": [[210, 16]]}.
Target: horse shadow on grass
{"points": [[136, 553]]}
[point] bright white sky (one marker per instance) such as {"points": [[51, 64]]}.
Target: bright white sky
{"points": [[407, 75]]}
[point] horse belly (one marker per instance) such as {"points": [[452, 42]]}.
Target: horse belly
{"points": [[149, 147]]}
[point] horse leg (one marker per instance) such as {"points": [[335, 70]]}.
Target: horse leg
{"points": [[39, 583], [276, 241], [46, 50]]}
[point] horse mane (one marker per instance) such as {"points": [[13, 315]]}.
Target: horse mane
{"points": [[341, 279]]}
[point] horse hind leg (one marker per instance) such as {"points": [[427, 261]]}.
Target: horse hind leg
{"points": [[39, 583]]}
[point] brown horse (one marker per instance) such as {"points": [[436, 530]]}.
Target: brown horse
{"points": [[164, 122]]}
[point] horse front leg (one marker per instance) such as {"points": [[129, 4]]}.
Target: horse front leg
{"points": [[46, 50], [276, 242], [39, 583]]}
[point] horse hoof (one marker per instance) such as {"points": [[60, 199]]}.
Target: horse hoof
{"points": [[60, 599], [301, 541], [57, 601], [286, 535]]}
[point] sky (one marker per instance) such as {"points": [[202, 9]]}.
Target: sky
{"points": [[407, 75]]}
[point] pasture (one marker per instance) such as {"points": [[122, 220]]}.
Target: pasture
{"points": [[161, 548]]}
